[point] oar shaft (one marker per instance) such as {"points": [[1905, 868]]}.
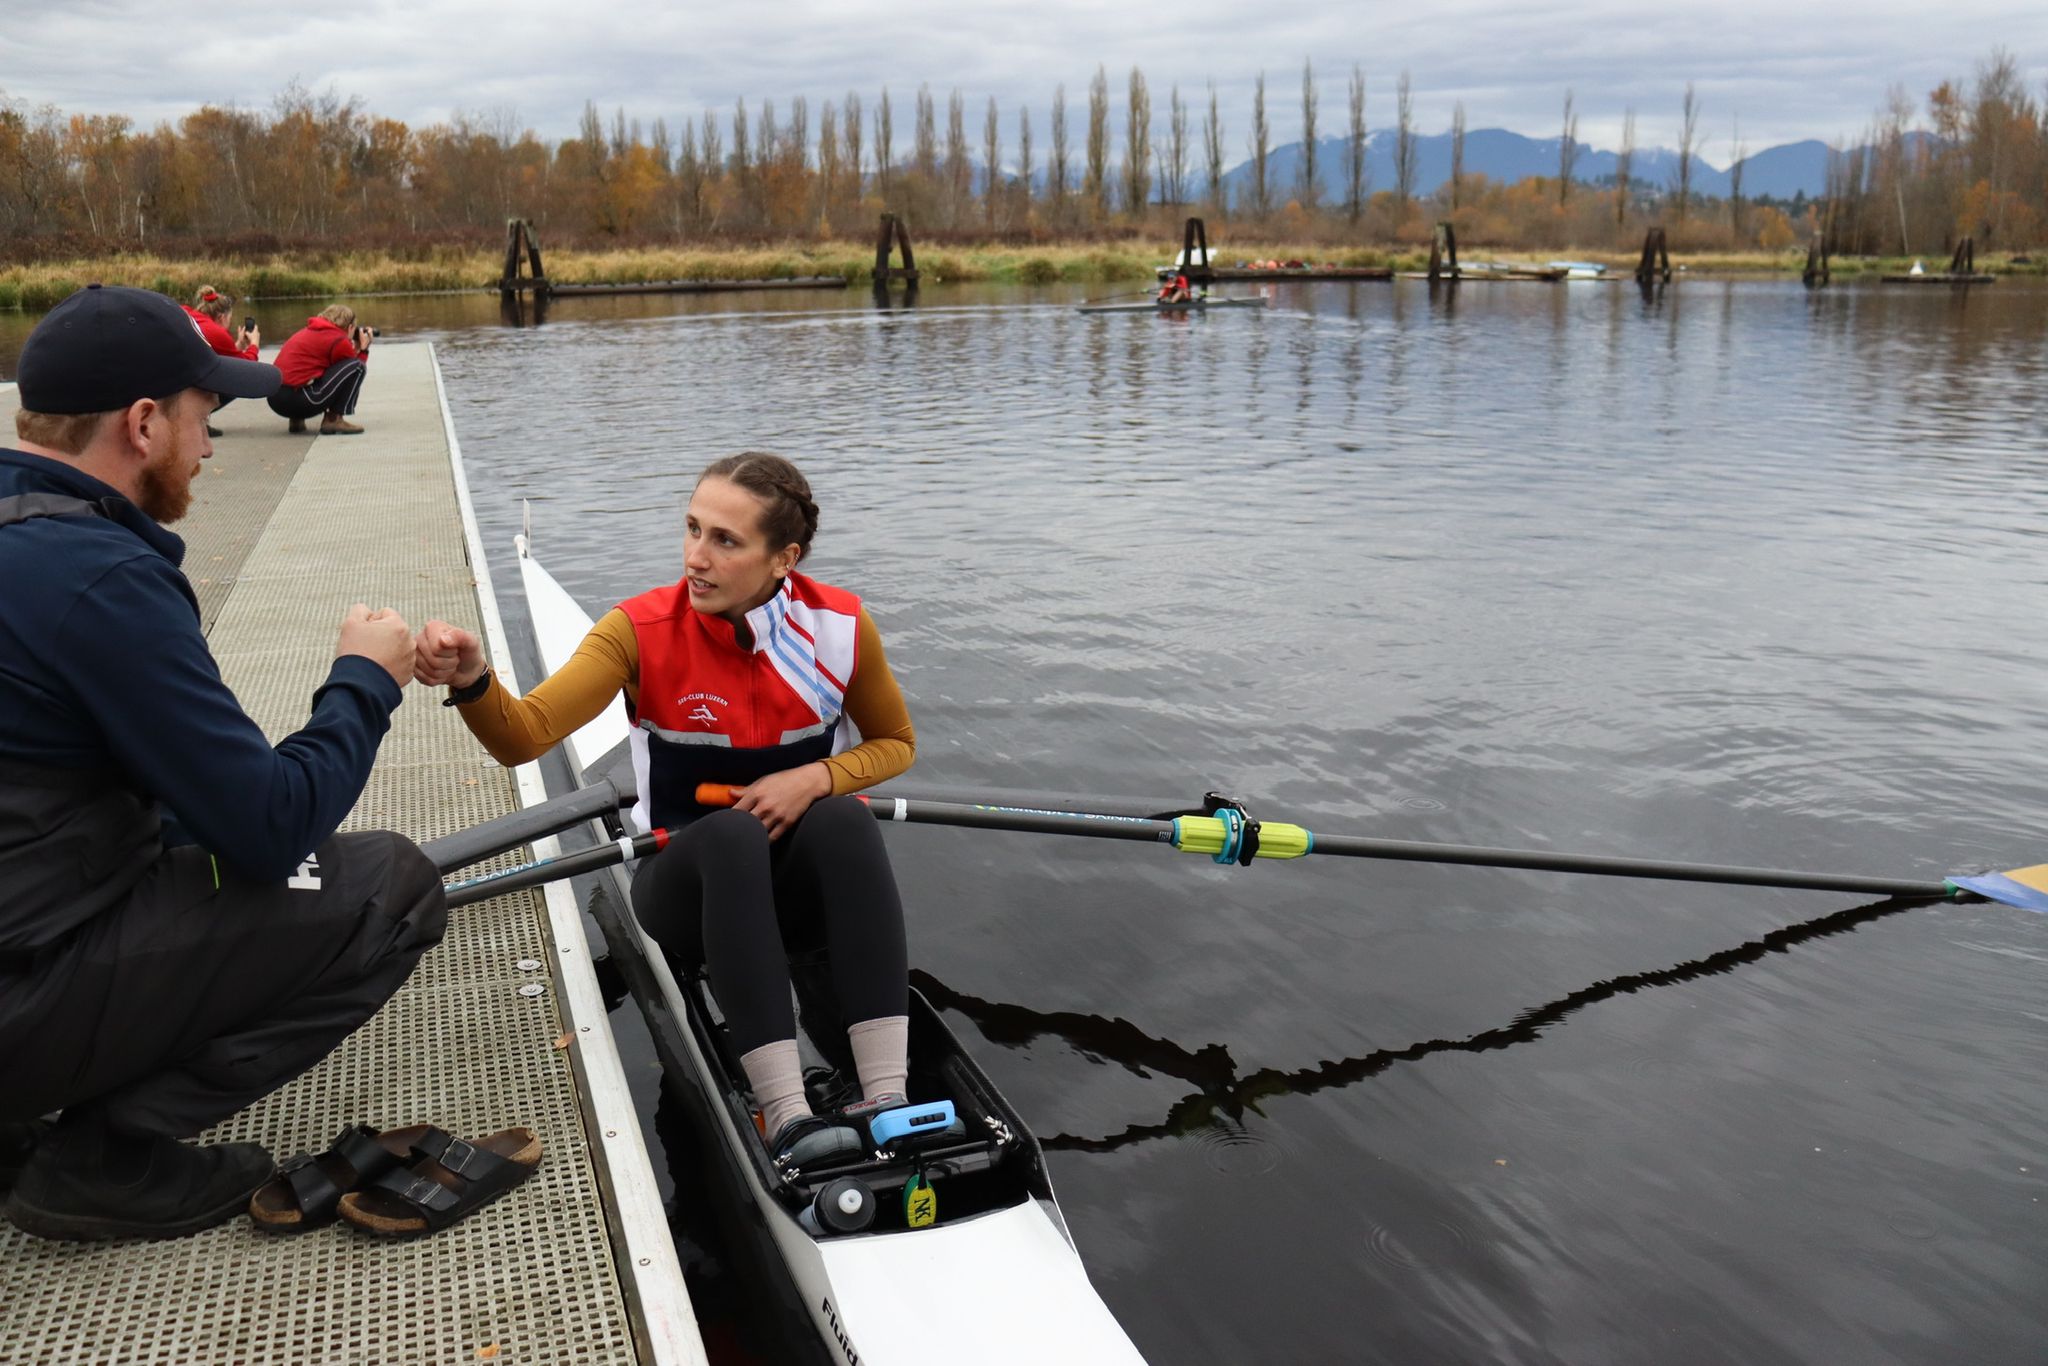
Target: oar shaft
{"points": [[1207, 835], [1421, 852], [554, 869]]}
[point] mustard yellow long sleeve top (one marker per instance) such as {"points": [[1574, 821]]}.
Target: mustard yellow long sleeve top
{"points": [[519, 729]]}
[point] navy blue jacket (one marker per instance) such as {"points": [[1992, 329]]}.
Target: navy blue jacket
{"points": [[103, 667]]}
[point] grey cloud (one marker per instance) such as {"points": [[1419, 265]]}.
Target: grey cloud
{"points": [[1786, 71]]}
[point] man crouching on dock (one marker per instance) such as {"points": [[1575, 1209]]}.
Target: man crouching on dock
{"points": [[181, 930]]}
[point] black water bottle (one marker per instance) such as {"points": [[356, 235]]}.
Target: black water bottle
{"points": [[844, 1206]]}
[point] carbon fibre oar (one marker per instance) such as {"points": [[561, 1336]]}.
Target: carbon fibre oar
{"points": [[622, 850], [1227, 835]]}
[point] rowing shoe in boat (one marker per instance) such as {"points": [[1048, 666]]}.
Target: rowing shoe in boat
{"points": [[1184, 306], [943, 1242]]}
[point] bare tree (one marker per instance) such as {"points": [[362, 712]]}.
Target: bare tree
{"points": [[1688, 148], [1567, 151], [689, 183], [924, 136], [828, 162], [1262, 136], [1138, 146], [991, 164], [798, 147], [885, 143], [768, 144], [742, 162], [1740, 153], [711, 144], [1095, 178], [1404, 144], [851, 132], [1212, 152], [1897, 115], [1061, 178], [1624, 162], [1457, 153], [1354, 147], [1024, 157], [663, 146], [957, 170], [1173, 158], [1308, 190]]}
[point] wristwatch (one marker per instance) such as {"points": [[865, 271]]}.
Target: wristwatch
{"points": [[471, 691]]}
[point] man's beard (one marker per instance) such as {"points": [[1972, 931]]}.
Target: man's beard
{"points": [[164, 490]]}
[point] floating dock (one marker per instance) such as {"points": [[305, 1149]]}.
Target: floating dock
{"points": [[696, 286], [1302, 273], [501, 1024]]}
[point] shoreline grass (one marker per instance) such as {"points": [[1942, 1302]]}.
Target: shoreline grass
{"points": [[290, 275]]}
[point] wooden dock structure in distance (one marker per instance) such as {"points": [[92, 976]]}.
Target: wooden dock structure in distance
{"points": [[1444, 267], [1962, 270], [1301, 273], [1199, 264], [522, 249]]}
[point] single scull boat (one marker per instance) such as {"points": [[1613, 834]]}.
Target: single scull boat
{"points": [[993, 1276], [1183, 306]]}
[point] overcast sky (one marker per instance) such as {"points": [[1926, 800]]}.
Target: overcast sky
{"points": [[1785, 70]]}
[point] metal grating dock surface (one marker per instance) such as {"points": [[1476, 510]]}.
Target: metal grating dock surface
{"points": [[285, 533]]}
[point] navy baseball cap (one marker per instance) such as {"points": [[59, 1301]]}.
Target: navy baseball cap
{"points": [[108, 345]]}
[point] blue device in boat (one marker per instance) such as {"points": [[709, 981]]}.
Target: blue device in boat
{"points": [[907, 1120]]}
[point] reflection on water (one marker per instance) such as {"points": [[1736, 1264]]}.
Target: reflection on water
{"points": [[1734, 572]]}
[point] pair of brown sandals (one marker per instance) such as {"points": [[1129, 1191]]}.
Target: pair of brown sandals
{"points": [[401, 1183]]}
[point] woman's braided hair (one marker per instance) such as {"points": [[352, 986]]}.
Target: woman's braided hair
{"points": [[790, 518]]}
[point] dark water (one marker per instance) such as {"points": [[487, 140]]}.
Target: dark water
{"points": [[1739, 574]]}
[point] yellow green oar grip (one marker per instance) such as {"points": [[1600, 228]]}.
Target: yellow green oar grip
{"points": [[1209, 834]]}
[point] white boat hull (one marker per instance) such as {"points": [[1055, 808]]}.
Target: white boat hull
{"points": [[1000, 1287]]}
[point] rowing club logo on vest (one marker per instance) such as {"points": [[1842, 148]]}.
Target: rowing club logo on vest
{"points": [[711, 711]]}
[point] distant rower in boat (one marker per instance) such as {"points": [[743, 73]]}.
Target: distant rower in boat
{"points": [[1177, 290], [748, 673]]}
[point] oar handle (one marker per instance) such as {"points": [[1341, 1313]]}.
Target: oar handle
{"points": [[623, 850]]}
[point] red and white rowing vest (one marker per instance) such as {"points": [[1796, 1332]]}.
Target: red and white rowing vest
{"points": [[712, 712]]}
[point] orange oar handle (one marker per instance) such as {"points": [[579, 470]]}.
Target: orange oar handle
{"points": [[717, 794]]}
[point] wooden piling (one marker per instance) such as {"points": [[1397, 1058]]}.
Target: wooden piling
{"points": [[1655, 266], [522, 242], [1443, 253], [893, 233], [1816, 273], [1194, 237]]}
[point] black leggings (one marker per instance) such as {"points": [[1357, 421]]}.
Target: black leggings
{"points": [[724, 897]]}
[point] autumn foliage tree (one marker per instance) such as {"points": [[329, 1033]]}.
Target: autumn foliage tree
{"points": [[317, 170]]}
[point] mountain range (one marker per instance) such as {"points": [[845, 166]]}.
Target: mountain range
{"points": [[1778, 172], [1502, 156]]}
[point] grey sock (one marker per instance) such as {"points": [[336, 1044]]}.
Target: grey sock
{"points": [[777, 1076], [881, 1054]]}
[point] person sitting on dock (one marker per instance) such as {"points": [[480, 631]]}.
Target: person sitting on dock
{"points": [[210, 310], [1177, 290], [323, 364], [745, 672], [181, 930]]}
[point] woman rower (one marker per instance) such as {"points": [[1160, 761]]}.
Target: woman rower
{"points": [[744, 673]]}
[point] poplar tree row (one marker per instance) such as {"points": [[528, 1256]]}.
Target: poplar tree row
{"points": [[321, 168]]}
